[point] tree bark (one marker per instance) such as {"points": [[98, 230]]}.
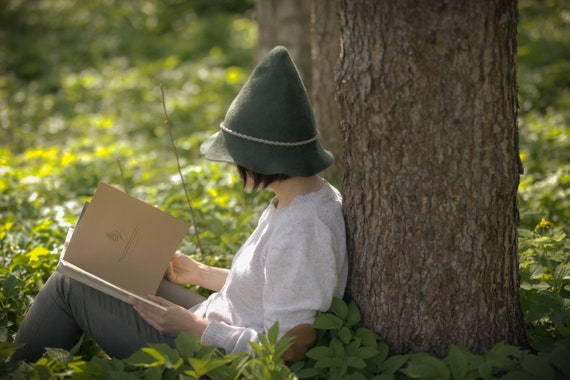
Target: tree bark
{"points": [[428, 107], [325, 50]]}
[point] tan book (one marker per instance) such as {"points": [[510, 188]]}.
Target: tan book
{"points": [[121, 245]]}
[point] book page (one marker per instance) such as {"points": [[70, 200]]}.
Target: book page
{"points": [[125, 241]]}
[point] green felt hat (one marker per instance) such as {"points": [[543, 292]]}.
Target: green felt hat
{"points": [[269, 127]]}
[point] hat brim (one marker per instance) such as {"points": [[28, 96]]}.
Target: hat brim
{"points": [[214, 149]]}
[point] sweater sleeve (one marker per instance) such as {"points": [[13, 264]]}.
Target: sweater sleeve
{"points": [[231, 338]]}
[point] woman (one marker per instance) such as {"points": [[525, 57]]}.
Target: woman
{"points": [[289, 269]]}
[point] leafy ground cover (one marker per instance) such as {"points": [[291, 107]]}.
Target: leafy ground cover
{"points": [[80, 102]]}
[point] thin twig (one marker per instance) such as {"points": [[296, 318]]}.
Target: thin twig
{"points": [[167, 125], [122, 175]]}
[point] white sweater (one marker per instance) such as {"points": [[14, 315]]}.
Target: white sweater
{"points": [[289, 268]]}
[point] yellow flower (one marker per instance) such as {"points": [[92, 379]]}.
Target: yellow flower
{"points": [[35, 254], [543, 223]]}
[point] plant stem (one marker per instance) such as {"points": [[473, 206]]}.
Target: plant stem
{"points": [[188, 201], [122, 175]]}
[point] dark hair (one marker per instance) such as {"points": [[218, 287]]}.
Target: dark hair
{"points": [[260, 180]]}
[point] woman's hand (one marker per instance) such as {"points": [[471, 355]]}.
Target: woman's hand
{"points": [[172, 321], [183, 270]]}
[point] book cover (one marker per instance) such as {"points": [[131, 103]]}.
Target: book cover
{"points": [[121, 245]]}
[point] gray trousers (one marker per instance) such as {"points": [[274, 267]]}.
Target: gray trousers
{"points": [[65, 308]]}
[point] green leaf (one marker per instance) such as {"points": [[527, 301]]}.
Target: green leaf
{"points": [[60, 355], [282, 346], [273, 333], [204, 366], [355, 362], [171, 357], [345, 334], [354, 316], [457, 363], [367, 352], [393, 364], [257, 348], [485, 369], [151, 374], [328, 363], [307, 373], [337, 347], [10, 287], [500, 355], [327, 322], [186, 345], [368, 337], [424, 366], [383, 350], [339, 308], [146, 357], [320, 353]]}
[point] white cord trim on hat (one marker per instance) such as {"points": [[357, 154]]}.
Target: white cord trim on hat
{"points": [[268, 142]]}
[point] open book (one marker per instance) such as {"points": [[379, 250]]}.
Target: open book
{"points": [[121, 245]]}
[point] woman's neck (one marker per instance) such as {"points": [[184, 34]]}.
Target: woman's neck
{"points": [[288, 189]]}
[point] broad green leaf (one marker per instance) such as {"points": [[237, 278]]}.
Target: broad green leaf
{"points": [[424, 366], [146, 357], [202, 367], [186, 345], [383, 350], [368, 337], [327, 322], [485, 369], [171, 357], [393, 364], [339, 308], [60, 355], [328, 363], [10, 287], [355, 362], [320, 353], [338, 347], [309, 373], [354, 316], [457, 363], [345, 334], [367, 352]]}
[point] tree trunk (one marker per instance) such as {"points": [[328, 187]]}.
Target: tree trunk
{"points": [[428, 107], [286, 23], [326, 34]]}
